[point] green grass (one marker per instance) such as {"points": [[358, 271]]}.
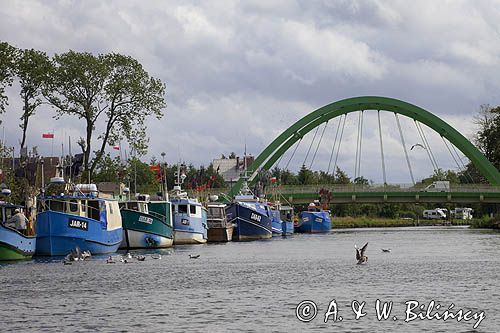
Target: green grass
{"points": [[368, 222], [486, 222]]}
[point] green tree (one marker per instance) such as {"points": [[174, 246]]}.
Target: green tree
{"points": [[110, 170], [140, 177], [106, 89], [341, 177], [487, 138], [32, 69], [7, 65], [305, 176]]}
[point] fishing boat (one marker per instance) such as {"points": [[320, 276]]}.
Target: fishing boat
{"points": [[251, 217], [190, 217], [219, 227], [14, 245], [282, 219], [190, 221], [70, 216], [314, 220], [146, 224], [276, 223], [286, 216]]}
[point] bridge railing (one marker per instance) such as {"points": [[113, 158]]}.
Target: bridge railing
{"points": [[352, 188], [334, 188]]}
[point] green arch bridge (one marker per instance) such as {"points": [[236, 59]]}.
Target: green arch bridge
{"points": [[386, 193]]}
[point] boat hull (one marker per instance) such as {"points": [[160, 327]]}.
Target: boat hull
{"points": [[287, 228], [142, 230], [220, 234], [133, 239], [189, 237], [314, 222], [55, 236], [248, 224], [14, 245]]}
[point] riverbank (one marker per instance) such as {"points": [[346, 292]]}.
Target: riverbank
{"points": [[368, 222]]}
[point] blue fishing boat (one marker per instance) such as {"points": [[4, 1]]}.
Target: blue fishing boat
{"points": [[251, 219], [77, 217], [14, 244], [190, 221], [286, 216], [314, 220], [276, 223], [190, 217]]}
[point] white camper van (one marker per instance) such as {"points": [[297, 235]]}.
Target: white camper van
{"points": [[439, 186], [462, 213], [434, 214]]}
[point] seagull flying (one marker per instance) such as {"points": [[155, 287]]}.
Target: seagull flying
{"points": [[360, 254], [386, 250], [417, 145]]}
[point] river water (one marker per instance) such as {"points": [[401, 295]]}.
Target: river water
{"points": [[257, 286]]}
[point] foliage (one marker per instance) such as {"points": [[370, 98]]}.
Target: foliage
{"points": [[7, 65], [33, 70], [107, 89]]}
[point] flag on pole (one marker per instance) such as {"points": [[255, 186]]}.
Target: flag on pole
{"points": [[47, 135], [116, 147]]}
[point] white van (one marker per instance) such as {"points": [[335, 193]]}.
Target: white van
{"points": [[439, 186], [434, 214], [462, 213]]}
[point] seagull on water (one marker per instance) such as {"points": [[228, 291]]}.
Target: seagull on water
{"points": [[191, 256], [156, 256], [360, 254], [110, 260]]}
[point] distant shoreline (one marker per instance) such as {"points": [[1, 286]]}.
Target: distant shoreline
{"points": [[365, 222]]}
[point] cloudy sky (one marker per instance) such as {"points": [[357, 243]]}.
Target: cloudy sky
{"points": [[241, 72]]}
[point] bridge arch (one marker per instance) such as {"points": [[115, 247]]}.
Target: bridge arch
{"points": [[285, 140]]}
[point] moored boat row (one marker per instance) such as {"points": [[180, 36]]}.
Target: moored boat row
{"points": [[78, 216]]}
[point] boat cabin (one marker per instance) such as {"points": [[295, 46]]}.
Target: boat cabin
{"points": [[216, 215]]}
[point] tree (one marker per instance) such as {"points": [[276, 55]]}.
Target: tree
{"points": [[33, 69], [341, 177], [7, 64], [106, 89], [487, 138], [110, 170], [140, 177], [305, 176]]}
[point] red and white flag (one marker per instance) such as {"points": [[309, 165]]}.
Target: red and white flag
{"points": [[116, 147], [273, 180], [47, 135]]}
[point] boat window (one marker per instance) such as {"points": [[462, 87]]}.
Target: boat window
{"points": [[56, 205], [2, 215], [110, 208], [192, 209], [122, 205], [73, 206], [133, 206], [215, 212], [94, 211], [182, 209]]}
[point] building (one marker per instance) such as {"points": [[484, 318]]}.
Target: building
{"points": [[231, 169]]}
